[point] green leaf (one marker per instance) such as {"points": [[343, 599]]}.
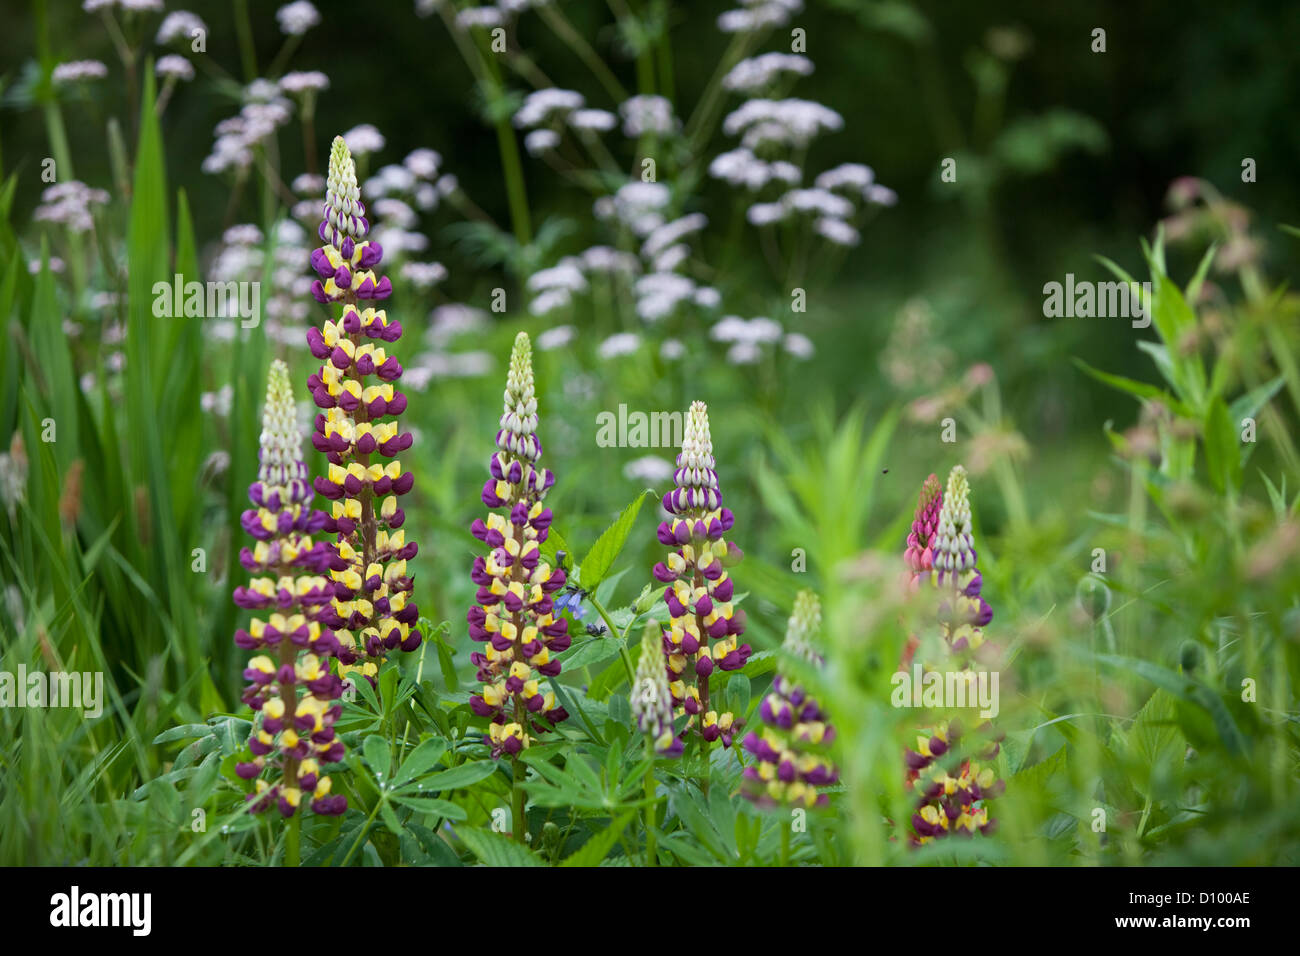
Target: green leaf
{"points": [[594, 850], [375, 750], [592, 652], [1248, 405], [497, 849], [597, 562], [462, 776], [183, 732], [1222, 450], [1133, 387], [553, 544], [444, 808], [421, 759]]}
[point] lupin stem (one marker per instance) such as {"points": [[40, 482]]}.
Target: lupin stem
{"points": [[517, 819], [291, 839], [651, 845]]}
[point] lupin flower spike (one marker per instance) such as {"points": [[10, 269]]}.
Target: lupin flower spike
{"points": [[516, 616], [963, 613], [920, 541], [652, 702], [790, 749], [293, 735], [373, 613], [705, 629], [944, 771]]}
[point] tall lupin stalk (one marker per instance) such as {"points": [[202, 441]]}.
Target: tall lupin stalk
{"points": [[790, 749], [950, 770], [290, 685], [515, 615], [372, 610], [704, 628]]}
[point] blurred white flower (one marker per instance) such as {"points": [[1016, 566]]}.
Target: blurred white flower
{"points": [[646, 114], [820, 201], [394, 212], [758, 16], [69, 204], [426, 196], [744, 353], [854, 176], [56, 265], [448, 321], [308, 184], [837, 231], [799, 345], [179, 25], [672, 232], [766, 213], [607, 259], [740, 167], [481, 18], [708, 297], [600, 121], [218, 402], [364, 139], [550, 300], [564, 275], [659, 293], [451, 365], [174, 65], [423, 163], [244, 234], [297, 18], [764, 331], [388, 179], [398, 240], [77, 71], [672, 257], [541, 141], [540, 105], [302, 81], [636, 205], [423, 275], [749, 332], [671, 350], [621, 343], [758, 72], [556, 338], [650, 469], [881, 195], [792, 122]]}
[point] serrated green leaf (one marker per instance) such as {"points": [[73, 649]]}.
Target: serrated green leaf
{"points": [[597, 562], [601, 842], [497, 849]]}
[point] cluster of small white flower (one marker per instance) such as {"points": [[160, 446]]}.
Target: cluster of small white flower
{"points": [[755, 15], [264, 111], [747, 337], [546, 114], [78, 71], [448, 324], [69, 204], [774, 137], [241, 257], [481, 17]]}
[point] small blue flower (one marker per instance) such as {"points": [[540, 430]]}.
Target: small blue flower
{"points": [[571, 601]]}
